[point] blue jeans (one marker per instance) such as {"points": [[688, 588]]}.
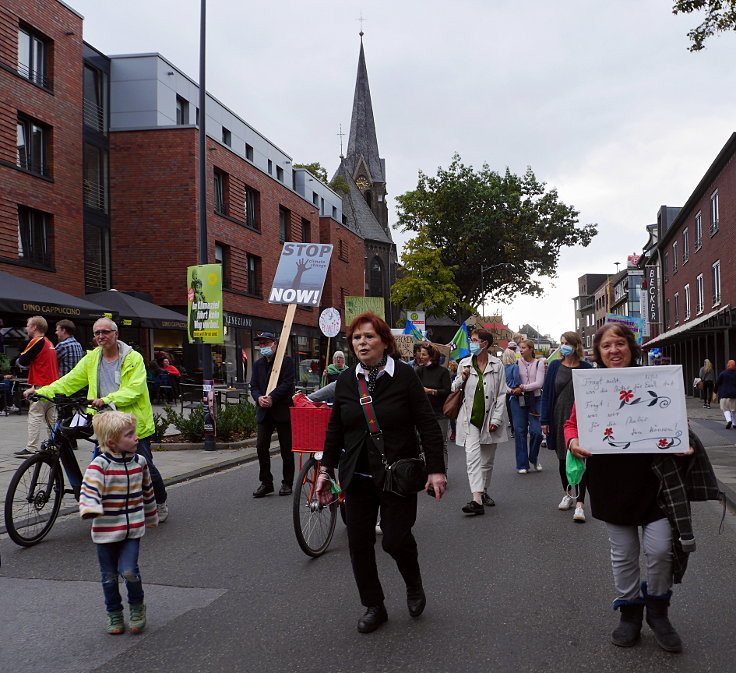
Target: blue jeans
{"points": [[144, 448], [120, 558], [524, 423]]}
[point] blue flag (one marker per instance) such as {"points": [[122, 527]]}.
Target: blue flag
{"points": [[411, 328], [461, 343]]}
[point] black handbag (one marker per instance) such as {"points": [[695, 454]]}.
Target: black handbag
{"points": [[405, 476]]}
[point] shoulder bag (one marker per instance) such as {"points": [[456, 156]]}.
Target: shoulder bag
{"points": [[404, 477], [453, 402]]}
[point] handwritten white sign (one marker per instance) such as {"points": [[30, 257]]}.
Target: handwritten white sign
{"points": [[631, 410]]}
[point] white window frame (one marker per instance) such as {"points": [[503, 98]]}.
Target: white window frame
{"points": [[687, 302], [675, 245], [677, 308], [698, 230], [700, 288], [716, 280], [685, 245], [714, 213]]}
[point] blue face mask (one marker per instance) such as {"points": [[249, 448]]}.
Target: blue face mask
{"points": [[474, 348], [566, 351], [267, 351]]}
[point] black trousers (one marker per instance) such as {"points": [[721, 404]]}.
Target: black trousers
{"points": [[263, 446], [398, 515]]}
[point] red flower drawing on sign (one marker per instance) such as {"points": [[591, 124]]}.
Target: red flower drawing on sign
{"points": [[626, 395], [608, 432], [663, 443]]}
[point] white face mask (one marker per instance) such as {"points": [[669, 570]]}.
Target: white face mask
{"points": [[474, 348]]}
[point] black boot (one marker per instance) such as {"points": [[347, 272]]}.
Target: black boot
{"points": [[373, 618], [664, 632], [416, 600], [627, 633]]}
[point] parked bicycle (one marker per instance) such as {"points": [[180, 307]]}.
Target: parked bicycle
{"points": [[36, 490]]}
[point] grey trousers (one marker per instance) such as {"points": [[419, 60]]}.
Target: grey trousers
{"points": [[479, 460], [656, 538]]}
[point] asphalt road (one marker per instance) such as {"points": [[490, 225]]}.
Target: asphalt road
{"points": [[522, 588]]}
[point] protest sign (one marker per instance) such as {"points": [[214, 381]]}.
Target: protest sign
{"points": [[301, 273], [405, 344], [631, 409], [204, 304], [636, 325], [354, 306]]}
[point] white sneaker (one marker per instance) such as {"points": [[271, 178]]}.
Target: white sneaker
{"points": [[537, 466], [567, 502], [579, 515], [163, 512], [522, 471], [379, 530]]}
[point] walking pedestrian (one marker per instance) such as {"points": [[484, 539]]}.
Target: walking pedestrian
{"points": [[480, 423], [436, 381], [558, 397], [68, 350], [117, 493], [725, 386], [707, 376], [525, 399]]}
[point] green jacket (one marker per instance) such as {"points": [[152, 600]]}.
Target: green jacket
{"points": [[131, 397]]}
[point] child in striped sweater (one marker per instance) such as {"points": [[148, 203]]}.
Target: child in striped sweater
{"points": [[118, 494]]}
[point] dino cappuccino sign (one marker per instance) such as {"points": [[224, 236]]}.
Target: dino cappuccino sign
{"points": [[301, 274]]}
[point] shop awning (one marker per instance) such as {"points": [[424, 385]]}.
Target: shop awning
{"points": [[18, 295], [134, 312], [680, 329]]}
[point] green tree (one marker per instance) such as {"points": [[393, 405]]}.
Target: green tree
{"points": [[720, 16], [315, 168], [499, 235], [426, 280]]}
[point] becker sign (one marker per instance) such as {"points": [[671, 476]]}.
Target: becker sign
{"points": [[301, 274]]}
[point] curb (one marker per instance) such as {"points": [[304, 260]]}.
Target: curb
{"points": [[199, 446]]}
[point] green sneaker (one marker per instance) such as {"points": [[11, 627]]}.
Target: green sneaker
{"points": [[115, 623], [137, 618]]}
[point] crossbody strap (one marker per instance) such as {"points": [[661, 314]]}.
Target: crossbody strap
{"points": [[374, 429]]}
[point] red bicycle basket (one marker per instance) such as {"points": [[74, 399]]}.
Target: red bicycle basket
{"points": [[309, 427]]}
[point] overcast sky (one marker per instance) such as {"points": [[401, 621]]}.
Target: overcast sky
{"points": [[601, 99]]}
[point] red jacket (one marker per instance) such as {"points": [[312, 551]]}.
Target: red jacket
{"points": [[40, 357]]}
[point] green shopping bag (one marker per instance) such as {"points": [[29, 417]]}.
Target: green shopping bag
{"points": [[574, 467]]}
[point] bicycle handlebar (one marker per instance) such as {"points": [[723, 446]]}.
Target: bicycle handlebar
{"points": [[61, 400]]}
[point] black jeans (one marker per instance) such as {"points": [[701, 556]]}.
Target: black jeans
{"points": [[398, 515], [263, 447], [159, 490]]}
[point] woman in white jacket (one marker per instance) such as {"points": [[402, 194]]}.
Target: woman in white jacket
{"points": [[480, 423]]}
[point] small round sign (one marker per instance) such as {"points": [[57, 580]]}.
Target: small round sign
{"points": [[329, 322]]}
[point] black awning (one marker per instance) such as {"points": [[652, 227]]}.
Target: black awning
{"points": [[134, 312], [18, 295]]}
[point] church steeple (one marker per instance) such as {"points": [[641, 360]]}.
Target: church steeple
{"points": [[362, 160]]}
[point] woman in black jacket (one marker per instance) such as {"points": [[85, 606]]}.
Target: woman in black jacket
{"points": [[402, 409], [436, 381]]}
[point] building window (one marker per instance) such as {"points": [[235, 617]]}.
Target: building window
{"points": [[687, 301], [674, 258], [96, 259], [284, 218], [343, 294], [227, 137], [666, 266], [182, 111], [315, 198], [716, 278], [376, 278], [270, 167], [32, 146], [334, 212], [252, 207], [34, 229], [94, 103], [698, 230], [248, 152], [667, 313], [222, 256], [221, 189], [94, 186], [279, 173], [677, 308], [254, 274], [685, 245], [306, 231], [714, 214], [33, 57], [342, 251], [700, 288]]}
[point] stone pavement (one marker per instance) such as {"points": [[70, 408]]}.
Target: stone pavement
{"points": [[176, 466]]}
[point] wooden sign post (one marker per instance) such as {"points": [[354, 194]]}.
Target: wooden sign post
{"points": [[281, 349]]}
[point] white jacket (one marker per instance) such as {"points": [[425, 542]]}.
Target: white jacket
{"points": [[494, 384]]}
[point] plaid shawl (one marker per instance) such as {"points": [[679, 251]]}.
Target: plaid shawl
{"points": [[683, 480]]}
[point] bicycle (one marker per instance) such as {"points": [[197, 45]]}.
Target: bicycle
{"points": [[314, 523], [34, 496]]}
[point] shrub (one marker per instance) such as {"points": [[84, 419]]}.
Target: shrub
{"points": [[233, 420], [190, 426], [162, 423]]}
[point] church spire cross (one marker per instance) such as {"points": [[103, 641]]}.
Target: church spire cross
{"points": [[361, 19], [341, 134]]}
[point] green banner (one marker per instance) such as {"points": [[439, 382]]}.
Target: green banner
{"points": [[204, 304], [354, 306]]}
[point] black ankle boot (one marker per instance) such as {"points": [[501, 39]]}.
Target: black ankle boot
{"points": [[415, 600], [664, 633], [373, 618], [628, 632]]}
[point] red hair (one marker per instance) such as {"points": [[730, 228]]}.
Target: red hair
{"points": [[380, 327]]}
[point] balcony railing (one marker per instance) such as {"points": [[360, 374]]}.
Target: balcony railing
{"points": [[94, 115], [95, 195]]}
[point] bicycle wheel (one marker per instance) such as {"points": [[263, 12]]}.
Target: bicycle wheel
{"points": [[33, 499], [314, 524]]}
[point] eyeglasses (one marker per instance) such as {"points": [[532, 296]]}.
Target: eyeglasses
{"points": [[100, 332]]}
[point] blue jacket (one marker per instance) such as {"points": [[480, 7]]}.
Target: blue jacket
{"points": [[281, 394], [726, 384], [513, 378], [548, 399]]}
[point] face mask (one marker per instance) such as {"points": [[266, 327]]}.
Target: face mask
{"points": [[566, 350], [474, 348], [267, 351]]}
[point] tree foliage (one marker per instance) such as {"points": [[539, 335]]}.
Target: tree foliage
{"points": [[316, 169], [720, 16], [510, 227], [426, 280]]}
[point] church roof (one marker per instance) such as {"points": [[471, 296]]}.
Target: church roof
{"points": [[362, 141], [360, 217]]}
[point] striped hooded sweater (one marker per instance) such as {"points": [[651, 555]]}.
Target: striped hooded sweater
{"points": [[117, 493]]}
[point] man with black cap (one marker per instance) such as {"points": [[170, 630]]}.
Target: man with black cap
{"points": [[273, 414]]}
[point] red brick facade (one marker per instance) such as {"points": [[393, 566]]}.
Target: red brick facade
{"points": [[59, 109]]}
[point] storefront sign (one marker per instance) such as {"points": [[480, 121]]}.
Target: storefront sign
{"points": [[301, 274], [235, 320], [354, 306], [651, 275], [204, 304]]}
